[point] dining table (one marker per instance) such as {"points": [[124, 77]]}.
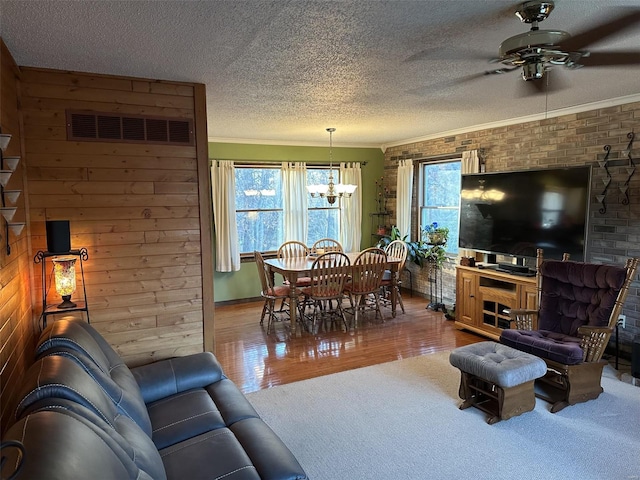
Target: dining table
{"points": [[293, 268]]}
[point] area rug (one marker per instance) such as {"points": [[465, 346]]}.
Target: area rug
{"points": [[401, 420]]}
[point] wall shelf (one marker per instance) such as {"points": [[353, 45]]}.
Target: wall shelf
{"points": [[8, 212]]}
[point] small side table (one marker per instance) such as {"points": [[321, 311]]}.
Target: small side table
{"points": [[81, 305]]}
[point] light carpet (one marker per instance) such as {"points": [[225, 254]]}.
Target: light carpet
{"points": [[401, 420]]}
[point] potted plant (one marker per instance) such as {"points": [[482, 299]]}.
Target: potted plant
{"points": [[435, 238], [416, 251], [435, 235]]}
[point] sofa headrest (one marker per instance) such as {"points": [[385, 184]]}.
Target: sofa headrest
{"points": [[57, 377], [80, 342], [55, 440], [78, 335]]}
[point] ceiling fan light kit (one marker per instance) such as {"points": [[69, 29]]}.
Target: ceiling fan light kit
{"points": [[536, 51]]}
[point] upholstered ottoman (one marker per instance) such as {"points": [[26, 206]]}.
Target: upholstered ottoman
{"points": [[497, 379]]}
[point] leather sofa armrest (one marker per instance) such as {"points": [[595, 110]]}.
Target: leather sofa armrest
{"points": [[164, 378]]}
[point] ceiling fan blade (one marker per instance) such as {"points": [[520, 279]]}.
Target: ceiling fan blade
{"points": [[601, 31], [439, 86], [475, 76], [421, 55], [437, 53], [454, 82], [603, 59], [499, 71]]}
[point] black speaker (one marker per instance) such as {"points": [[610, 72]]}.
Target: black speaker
{"points": [[58, 236]]}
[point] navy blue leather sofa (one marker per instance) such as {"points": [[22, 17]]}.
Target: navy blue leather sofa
{"points": [[84, 414]]}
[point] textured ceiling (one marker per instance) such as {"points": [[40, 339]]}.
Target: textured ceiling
{"points": [[381, 72]]}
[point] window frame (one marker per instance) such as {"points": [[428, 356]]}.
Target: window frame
{"points": [[326, 205], [420, 207], [248, 256]]}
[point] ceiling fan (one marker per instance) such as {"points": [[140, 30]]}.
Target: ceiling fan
{"points": [[536, 51]]}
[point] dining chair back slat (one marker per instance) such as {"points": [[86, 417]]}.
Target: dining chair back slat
{"points": [[269, 292], [329, 273], [396, 249], [367, 272], [293, 249], [327, 245]]}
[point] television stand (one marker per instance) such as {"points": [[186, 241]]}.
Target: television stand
{"points": [[484, 296]]}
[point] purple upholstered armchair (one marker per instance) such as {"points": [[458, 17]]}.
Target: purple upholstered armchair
{"points": [[578, 307]]}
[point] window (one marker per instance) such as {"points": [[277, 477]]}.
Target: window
{"points": [[440, 198], [324, 219], [259, 208], [259, 211]]}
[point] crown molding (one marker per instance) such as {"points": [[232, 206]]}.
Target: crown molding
{"points": [[528, 118], [284, 143]]}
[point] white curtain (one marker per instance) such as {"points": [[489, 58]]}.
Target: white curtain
{"points": [[470, 162], [295, 201], [351, 208], [403, 197], [223, 183]]}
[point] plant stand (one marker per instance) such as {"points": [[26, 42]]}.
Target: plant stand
{"points": [[81, 305], [379, 219], [435, 289]]}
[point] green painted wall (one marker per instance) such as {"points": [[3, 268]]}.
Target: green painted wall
{"points": [[244, 283]]}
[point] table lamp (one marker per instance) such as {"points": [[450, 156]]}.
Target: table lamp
{"points": [[64, 269]]}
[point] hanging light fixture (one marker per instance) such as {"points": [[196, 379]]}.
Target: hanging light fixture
{"points": [[332, 190]]}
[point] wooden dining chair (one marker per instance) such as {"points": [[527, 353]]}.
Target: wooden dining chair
{"points": [[270, 293], [293, 249], [329, 273], [327, 245], [396, 249], [366, 277]]}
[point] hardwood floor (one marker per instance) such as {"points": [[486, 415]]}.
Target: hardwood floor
{"points": [[255, 360]]}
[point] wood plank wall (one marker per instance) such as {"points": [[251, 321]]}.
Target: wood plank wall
{"points": [[16, 329], [135, 207]]}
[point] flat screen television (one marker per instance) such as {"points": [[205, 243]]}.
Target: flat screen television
{"points": [[515, 213]]}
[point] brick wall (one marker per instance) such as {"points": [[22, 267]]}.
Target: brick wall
{"points": [[566, 140]]}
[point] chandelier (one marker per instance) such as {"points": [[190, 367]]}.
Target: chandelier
{"points": [[332, 190]]}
